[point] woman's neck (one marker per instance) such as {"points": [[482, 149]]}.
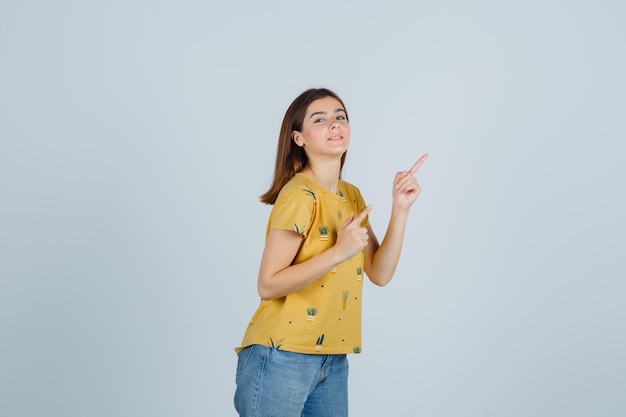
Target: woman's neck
{"points": [[326, 175]]}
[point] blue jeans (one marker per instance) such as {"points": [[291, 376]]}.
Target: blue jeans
{"points": [[277, 383]]}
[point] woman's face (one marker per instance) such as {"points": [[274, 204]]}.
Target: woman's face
{"points": [[325, 129]]}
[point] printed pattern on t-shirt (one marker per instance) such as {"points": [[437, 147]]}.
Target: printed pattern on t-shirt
{"points": [[324, 317]]}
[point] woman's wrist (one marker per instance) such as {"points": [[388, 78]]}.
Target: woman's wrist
{"points": [[397, 210]]}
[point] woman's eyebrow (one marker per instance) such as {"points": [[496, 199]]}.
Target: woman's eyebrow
{"points": [[339, 110]]}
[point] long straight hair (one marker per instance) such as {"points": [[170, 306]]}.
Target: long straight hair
{"points": [[291, 158]]}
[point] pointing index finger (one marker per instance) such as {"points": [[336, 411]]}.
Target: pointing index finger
{"points": [[418, 164], [358, 219]]}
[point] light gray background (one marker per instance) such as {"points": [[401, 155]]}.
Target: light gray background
{"points": [[136, 137]]}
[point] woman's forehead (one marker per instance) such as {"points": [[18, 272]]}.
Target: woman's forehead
{"points": [[326, 104]]}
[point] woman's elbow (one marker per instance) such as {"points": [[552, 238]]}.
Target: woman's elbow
{"points": [[380, 283], [379, 280], [266, 292]]}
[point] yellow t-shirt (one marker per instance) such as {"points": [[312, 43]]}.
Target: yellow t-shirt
{"points": [[324, 317]]}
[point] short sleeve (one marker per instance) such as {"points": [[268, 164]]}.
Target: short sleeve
{"points": [[292, 212]]}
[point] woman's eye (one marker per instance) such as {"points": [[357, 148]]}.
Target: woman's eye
{"points": [[341, 118], [319, 120]]}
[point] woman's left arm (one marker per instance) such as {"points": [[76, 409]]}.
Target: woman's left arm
{"points": [[381, 259]]}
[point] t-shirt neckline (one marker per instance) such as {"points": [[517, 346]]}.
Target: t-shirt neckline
{"points": [[322, 188]]}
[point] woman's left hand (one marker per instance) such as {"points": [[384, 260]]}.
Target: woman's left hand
{"points": [[405, 187]]}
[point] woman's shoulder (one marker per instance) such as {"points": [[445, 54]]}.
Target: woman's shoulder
{"points": [[298, 187], [345, 186]]}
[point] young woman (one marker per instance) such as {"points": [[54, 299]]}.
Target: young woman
{"points": [[319, 244]]}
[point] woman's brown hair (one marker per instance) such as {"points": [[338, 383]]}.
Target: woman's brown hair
{"points": [[291, 158]]}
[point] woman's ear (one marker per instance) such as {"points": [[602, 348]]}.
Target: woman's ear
{"points": [[297, 138]]}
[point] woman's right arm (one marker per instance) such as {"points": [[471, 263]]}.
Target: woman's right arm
{"points": [[279, 277]]}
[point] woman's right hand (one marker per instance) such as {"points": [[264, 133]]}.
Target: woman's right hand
{"points": [[279, 275], [351, 236]]}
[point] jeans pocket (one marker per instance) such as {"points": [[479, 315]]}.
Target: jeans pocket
{"points": [[242, 360]]}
